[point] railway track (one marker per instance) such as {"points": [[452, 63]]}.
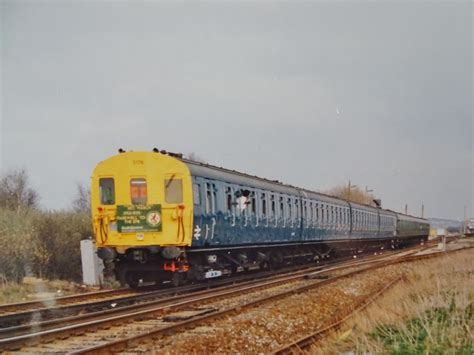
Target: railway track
{"points": [[14, 308], [149, 316], [23, 318], [160, 330], [45, 317]]}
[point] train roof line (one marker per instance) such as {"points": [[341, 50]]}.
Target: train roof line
{"points": [[207, 165]]}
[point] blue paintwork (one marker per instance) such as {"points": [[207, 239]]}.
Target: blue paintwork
{"points": [[220, 227]]}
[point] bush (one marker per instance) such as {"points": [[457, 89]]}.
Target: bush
{"points": [[57, 238], [17, 240], [43, 244]]}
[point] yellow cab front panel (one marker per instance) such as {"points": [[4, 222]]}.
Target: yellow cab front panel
{"points": [[141, 199]]}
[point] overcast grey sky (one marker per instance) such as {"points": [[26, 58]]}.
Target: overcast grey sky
{"points": [[312, 94]]}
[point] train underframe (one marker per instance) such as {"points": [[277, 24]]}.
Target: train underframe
{"points": [[179, 266]]}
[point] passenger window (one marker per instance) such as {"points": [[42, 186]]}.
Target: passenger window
{"points": [[254, 204], [228, 192], [214, 197], [264, 205], [197, 194], [209, 205], [281, 208], [174, 191], [138, 191], [273, 207], [107, 191], [290, 212]]}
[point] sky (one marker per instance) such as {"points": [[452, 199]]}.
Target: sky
{"points": [[310, 93]]}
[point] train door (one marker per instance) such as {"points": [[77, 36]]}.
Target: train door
{"points": [[210, 211], [199, 193]]}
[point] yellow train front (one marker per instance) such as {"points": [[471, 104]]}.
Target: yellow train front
{"points": [[142, 215]]}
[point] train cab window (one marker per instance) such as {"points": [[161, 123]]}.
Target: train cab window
{"points": [[174, 190], [138, 191], [197, 194], [107, 191]]}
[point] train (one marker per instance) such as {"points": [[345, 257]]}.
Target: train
{"points": [[470, 226], [158, 217]]}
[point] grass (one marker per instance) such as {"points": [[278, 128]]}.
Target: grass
{"points": [[35, 289], [430, 312], [13, 293]]}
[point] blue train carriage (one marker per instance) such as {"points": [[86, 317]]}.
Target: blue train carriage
{"points": [[242, 222]]}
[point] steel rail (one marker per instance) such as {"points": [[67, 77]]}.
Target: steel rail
{"points": [[42, 303]]}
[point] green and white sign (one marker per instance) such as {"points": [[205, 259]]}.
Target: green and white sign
{"points": [[138, 218]]}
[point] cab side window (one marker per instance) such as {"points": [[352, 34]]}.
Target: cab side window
{"points": [[107, 191], [174, 191], [138, 191], [197, 194]]}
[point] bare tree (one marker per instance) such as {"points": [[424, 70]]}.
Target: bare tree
{"points": [[15, 192], [355, 194], [194, 157], [82, 201]]}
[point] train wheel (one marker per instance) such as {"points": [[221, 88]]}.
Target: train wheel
{"points": [[133, 279], [177, 279], [276, 260]]}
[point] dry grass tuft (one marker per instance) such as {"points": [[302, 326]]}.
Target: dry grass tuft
{"points": [[431, 311]]}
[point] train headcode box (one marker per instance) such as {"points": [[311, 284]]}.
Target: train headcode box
{"points": [[138, 218]]}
